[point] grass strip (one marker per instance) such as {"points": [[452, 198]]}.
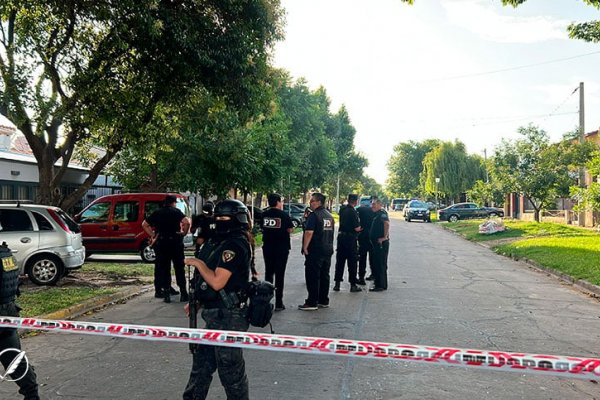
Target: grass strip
{"points": [[119, 269], [47, 300], [578, 257]]}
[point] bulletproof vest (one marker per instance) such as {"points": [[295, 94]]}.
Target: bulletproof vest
{"points": [[322, 240], [9, 280]]}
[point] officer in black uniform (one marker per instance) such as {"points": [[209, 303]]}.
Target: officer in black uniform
{"points": [[317, 247], [347, 246], [380, 239], [203, 225], [365, 248], [276, 227], [167, 226], [224, 270], [24, 375]]}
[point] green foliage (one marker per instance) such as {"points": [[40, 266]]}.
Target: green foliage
{"points": [[539, 170], [106, 73], [588, 198], [457, 170], [405, 167], [486, 193]]}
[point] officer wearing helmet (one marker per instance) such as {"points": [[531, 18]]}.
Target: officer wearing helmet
{"points": [[10, 346], [223, 271]]}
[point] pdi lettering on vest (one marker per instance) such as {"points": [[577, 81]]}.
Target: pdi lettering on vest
{"points": [[327, 224], [271, 222]]}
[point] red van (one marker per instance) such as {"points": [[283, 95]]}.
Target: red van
{"points": [[113, 223]]}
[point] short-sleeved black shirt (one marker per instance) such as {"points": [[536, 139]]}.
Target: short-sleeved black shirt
{"points": [[275, 224], [366, 216], [233, 254], [377, 230], [348, 219], [166, 220]]}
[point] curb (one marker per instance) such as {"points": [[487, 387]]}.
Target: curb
{"points": [[579, 284], [96, 303]]}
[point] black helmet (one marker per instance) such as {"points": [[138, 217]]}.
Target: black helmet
{"points": [[233, 208], [208, 207]]}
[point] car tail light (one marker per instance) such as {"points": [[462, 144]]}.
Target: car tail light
{"points": [[59, 220]]}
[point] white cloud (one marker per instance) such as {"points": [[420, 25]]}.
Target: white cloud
{"points": [[481, 18]]}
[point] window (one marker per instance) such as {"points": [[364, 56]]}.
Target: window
{"points": [[96, 213], [150, 207], [42, 222], [126, 211], [15, 221]]}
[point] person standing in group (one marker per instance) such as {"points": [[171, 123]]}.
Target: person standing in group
{"points": [[276, 229], [223, 267], [203, 225], [10, 345], [167, 226], [380, 239], [365, 248], [317, 247], [347, 249]]}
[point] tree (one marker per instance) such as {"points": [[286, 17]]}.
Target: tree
{"points": [[485, 193], [537, 169], [456, 169], [406, 165], [588, 198], [79, 72], [588, 31]]}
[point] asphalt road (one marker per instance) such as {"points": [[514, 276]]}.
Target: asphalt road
{"points": [[443, 291]]}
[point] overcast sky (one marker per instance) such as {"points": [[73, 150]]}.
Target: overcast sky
{"points": [[450, 69]]}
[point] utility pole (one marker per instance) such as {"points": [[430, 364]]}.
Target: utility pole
{"points": [[336, 207], [487, 176], [581, 216]]}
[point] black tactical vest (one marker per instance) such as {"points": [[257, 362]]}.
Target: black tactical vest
{"points": [[9, 280]]}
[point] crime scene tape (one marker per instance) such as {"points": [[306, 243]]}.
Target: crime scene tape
{"points": [[563, 366]]}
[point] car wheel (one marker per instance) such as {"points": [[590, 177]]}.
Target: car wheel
{"points": [[493, 215], [295, 223], [147, 253], [407, 219], [428, 220], [44, 269], [453, 218]]}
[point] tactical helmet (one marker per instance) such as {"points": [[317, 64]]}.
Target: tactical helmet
{"points": [[233, 208]]}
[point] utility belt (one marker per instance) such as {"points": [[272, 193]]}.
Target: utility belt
{"points": [[229, 300], [169, 236]]}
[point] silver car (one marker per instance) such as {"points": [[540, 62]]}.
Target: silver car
{"points": [[45, 241]]}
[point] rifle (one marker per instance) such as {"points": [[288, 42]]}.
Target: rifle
{"points": [[193, 307]]}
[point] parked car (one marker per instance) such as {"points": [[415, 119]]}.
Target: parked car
{"points": [[417, 209], [44, 240], [468, 210], [113, 223]]}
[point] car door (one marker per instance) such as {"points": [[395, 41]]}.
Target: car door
{"points": [[124, 225], [94, 225], [16, 229]]}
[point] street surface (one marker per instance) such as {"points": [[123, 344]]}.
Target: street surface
{"points": [[443, 291]]}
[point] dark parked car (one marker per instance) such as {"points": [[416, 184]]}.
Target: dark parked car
{"points": [[417, 209], [468, 210]]}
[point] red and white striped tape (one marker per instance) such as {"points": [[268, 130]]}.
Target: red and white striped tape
{"points": [[563, 366]]}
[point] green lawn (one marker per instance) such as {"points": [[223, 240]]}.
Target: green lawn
{"points": [[576, 256], [117, 270], [39, 302], [568, 249]]}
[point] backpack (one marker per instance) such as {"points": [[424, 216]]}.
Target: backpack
{"points": [[260, 307]]}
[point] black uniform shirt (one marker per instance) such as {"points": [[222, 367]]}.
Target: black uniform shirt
{"points": [[366, 216], [322, 224], [166, 220], [233, 254], [275, 224], [348, 219], [377, 230]]}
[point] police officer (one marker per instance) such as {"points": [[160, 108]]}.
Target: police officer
{"points": [[347, 249], [167, 226], [224, 269], [203, 225], [10, 345], [317, 247], [365, 248], [276, 227], [380, 239]]}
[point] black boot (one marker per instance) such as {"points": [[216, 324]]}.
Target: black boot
{"points": [[336, 287], [159, 294], [354, 288], [172, 291], [184, 296], [167, 298]]}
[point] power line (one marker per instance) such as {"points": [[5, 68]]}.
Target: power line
{"points": [[497, 71]]}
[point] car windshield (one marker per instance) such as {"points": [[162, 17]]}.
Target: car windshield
{"points": [[417, 204]]}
